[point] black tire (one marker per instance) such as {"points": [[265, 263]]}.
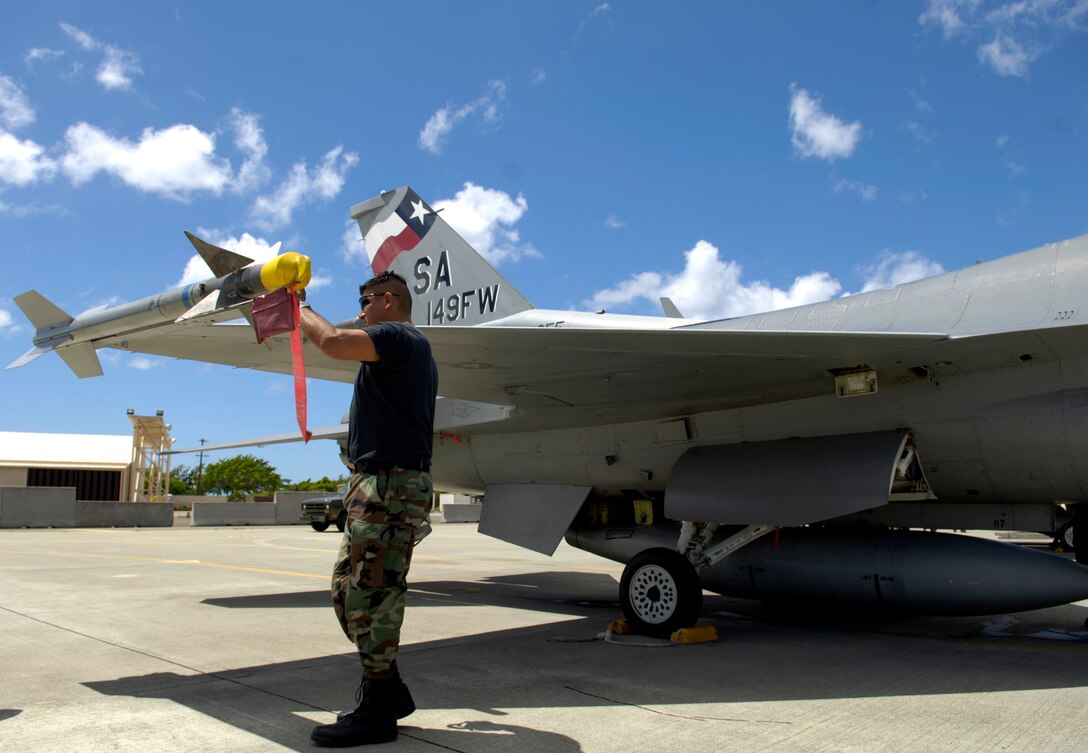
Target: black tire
{"points": [[660, 592], [1064, 537], [319, 526], [341, 520]]}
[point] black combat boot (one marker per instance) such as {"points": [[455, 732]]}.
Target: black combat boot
{"points": [[373, 721], [403, 704]]}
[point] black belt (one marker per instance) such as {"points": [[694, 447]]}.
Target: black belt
{"points": [[374, 467]]}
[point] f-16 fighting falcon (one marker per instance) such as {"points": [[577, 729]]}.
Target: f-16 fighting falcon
{"points": [[801, 455]]}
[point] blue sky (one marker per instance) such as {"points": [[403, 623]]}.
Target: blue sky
{"points": [[734, 156]]}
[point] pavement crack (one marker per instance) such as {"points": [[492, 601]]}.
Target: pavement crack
{"points": [[156, 657], [402, 733], [676, 716]]}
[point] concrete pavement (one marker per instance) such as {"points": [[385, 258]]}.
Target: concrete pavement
{"points": [[212, 639]]}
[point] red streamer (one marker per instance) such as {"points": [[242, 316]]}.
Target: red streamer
{"points": [[298, 366]]}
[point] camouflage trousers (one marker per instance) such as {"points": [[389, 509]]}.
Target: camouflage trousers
{"points": [[369, 580]]}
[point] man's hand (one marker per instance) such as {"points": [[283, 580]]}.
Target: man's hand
{"points": [[286, 269]]}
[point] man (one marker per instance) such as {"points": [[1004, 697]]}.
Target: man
{"points": [[390, 434]]}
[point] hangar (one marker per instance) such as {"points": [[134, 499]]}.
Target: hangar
{"points": [[98, 466]]}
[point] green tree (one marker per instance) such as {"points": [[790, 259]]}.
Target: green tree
{"points": [[241, 475], [323, 484], [183, 480]]}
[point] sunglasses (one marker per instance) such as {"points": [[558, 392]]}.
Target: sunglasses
{"points": [[366, 298]]}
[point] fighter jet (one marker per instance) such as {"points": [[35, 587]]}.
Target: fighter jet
{"points": [[800, 455]]}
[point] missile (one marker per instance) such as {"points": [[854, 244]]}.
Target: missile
{"points": [[238, 280], [915, 572]]}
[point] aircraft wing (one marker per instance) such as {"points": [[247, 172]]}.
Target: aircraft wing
{"points": [[585, 373], [633, 375], [575, 376], [229, 344]]}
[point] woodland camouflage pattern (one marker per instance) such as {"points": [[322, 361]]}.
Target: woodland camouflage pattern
{"points": [[369, 580]]}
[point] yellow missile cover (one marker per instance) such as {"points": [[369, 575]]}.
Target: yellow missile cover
{"points": [[286, 269]]}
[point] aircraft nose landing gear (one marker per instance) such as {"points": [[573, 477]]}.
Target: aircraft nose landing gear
{"points": [[660, 592]]}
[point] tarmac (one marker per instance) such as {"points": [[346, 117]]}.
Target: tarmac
{"points": [[222, 639]]}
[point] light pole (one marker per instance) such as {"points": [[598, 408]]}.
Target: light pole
{"points": [[200, 470]]}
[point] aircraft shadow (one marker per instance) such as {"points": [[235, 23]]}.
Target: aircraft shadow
{"points": [[544, 591], [768, 654]]}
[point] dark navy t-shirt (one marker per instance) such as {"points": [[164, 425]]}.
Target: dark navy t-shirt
{"points": [[392, 410]]}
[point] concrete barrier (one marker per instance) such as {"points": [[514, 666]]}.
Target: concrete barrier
{"points": [[288, 504], [37, 507], [234, 514], [187, 500], [57, 507], [123, 514]]}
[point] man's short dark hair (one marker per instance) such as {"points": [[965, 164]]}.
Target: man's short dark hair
{"points": [[386, 276], [395, 283]]}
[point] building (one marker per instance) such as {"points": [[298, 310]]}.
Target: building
{"points": [[98, 466]]}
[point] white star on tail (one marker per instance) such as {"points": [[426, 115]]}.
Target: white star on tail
{"points": [[418, 211]]}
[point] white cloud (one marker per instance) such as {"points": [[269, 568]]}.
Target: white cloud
{"points": [[817, 134], [921, 104], [600, 11], [8, 326], [174, 161], [143, 363], [41, 55], [894, 268], [864, 190], [118, 66], [922, 136], [23, 162], [319, 280], [485, 217], [438, 128], [1006, 56], [947, 14], [117, 69], [351, 246], [80, 37], [1009, 34], [19, 211], [613, 222], [15, 111], [303, 186], [710, 288], [249, 138]]}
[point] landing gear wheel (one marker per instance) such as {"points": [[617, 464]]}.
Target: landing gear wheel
{"points": [[1064, 539], [341, 520], [319, 526], [660, 593]]}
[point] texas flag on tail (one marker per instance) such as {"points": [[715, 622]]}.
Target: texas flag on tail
{"points": [[400, 231]]}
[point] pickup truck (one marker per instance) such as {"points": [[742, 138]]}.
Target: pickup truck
{"points": [[322, 512]]}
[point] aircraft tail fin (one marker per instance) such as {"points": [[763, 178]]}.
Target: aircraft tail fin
{"points": [[450, 281]]}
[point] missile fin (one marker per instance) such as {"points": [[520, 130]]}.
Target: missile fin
{"points": [[670, 308], [41, 312], [31, 355], [221, 261], [206, 305], [81, 359]]}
